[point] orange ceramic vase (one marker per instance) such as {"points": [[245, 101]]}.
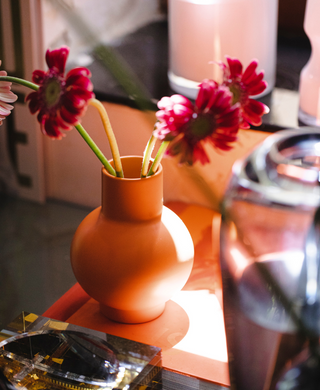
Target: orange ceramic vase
{"points": [[132, 254]]}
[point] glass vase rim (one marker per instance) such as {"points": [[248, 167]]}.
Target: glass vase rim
{"points": [[259, 175]]}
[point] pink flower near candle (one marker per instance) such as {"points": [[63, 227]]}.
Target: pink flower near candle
{"points": [[188, 126], [243, 85], [6, 96], [61, 100]]}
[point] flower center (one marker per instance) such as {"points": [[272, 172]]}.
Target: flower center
{"points": [[52, 92], [236, 91], [201, 125]]}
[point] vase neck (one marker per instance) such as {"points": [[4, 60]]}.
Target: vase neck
{"points": [[132, 198]]}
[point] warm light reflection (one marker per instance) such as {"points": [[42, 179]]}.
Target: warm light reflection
{"points": [[292, 261], [233, 231], [240, 261], [312, 271], [298, 173], [206, 335], [178, 232], [317, 148]]}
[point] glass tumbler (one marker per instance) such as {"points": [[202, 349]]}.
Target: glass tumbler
{"points": [[268, 211]]}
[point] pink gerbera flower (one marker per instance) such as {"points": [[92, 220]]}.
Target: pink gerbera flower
{"points": [[212, 119], [243, 85], [61, 100], [6, 96]]}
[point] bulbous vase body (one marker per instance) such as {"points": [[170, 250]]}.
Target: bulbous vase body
{"points": [[132, 254]]}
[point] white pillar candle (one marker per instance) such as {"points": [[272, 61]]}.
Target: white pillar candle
{"points": [[204, 31], [309, 89]]}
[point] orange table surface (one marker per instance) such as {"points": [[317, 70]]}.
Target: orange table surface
{"points": [[191, 330]]}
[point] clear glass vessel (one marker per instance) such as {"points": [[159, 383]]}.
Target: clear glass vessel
{"points": [[268, 212]]}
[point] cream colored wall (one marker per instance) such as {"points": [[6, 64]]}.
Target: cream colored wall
{"points": [[205, 185], [73, 171]]}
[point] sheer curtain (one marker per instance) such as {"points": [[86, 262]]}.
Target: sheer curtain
{"points": [[107, 20]]}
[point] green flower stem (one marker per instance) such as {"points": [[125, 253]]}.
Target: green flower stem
{"points": [[158, 158], [110, 134], [95, 149], [23, 82], [147, 155]]}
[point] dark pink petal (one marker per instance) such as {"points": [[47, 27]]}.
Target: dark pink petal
{"points": [[235, 67], [38, 76], [254, 80], [244, 125], [79, 82], [41, 116], [230, 120], [32, 96], [68, 116], [253, 111], [206, 90], [69, 105], [214, 98], [62, 124], [56, 59], [251, 117], [80, 94], [81, 71], [225, 104], [34, 103], [50, 128], [226, 138], [257, 107], [75, 100], [256, 90], [250, 71], [220, 100], [222, 141]]}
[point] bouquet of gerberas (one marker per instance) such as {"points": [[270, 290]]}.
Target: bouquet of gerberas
{"points": [[183, 127]]}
